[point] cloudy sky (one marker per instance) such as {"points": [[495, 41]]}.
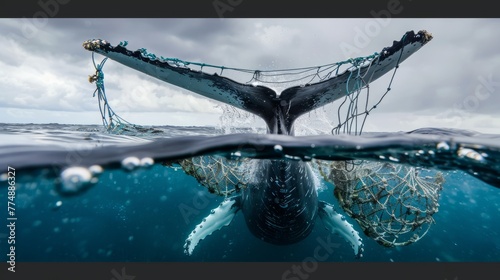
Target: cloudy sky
{"points": [[454, 81]]}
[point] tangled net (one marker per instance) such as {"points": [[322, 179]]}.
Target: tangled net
{"points": [[221, 176], [280, 79], [392, 203]]}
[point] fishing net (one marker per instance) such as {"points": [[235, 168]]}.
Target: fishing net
{"points": [[220, 175], [111, 121], [392, 203], [352, 111]]}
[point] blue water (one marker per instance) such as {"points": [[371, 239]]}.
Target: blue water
{"points": [[146, 214]]}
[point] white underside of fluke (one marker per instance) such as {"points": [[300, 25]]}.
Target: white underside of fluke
{"points": [[218, 218], [337, 224]]}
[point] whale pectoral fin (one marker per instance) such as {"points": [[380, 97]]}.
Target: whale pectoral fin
{"points": [[218, 218], [336, 223]]}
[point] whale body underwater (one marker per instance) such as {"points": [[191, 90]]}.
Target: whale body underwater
{"points": [[280, 204]]}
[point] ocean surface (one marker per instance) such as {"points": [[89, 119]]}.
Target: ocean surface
{"points": [[84, 195]]}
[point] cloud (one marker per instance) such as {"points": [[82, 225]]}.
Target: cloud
{"points": [[46, 68]]}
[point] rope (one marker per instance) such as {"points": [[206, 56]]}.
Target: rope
{"points": [[347, 122], [352, 114], [111, 121]]}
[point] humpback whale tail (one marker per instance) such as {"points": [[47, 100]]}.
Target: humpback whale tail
{"points": [[280, 203], [316, 87]]}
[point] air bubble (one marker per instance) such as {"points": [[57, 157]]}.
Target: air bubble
{"points": [[74, 179], [443, 146], [393, 159], [469, 153], [236, 154], [278, 148], [147, 162], [131, 163], [95, 169]]}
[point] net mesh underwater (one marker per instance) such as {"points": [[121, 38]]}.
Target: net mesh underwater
{"points": [[392, 203]]}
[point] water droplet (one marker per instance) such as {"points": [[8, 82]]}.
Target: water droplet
{"points": [[147, 162], [278, 148], [130, 163], [75, 179]]}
